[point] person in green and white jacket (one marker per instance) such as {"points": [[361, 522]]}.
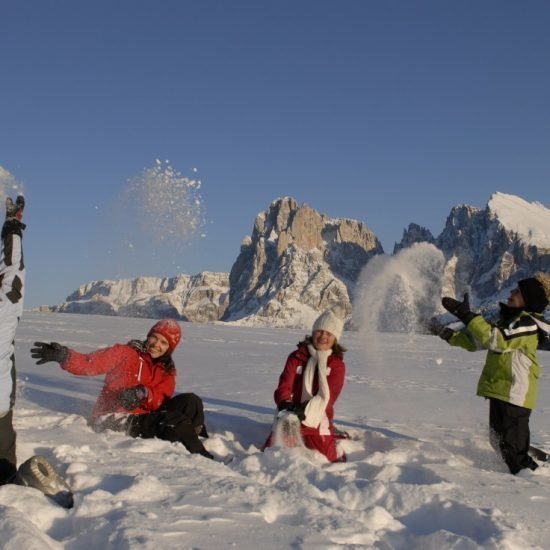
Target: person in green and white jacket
{"points": [[511, 372]]}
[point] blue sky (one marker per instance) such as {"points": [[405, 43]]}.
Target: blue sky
{"points": [[389, 112]]}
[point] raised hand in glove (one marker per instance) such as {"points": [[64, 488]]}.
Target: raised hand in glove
{"points": [[14, 210], [130, 398], [14, 213], [437, 328], [53, 351], [461, 310]]}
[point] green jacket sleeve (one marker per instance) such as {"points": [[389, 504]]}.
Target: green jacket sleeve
{"points": [[464, 339]]}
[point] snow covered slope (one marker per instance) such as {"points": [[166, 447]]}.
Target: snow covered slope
{"points": [[420, 474], [530, 222]]}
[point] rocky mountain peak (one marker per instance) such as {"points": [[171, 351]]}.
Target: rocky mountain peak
{"points": [[296, 263], [488, 250], [414, 234]]}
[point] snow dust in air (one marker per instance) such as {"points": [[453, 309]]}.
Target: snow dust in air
{"points": [[9, 186], [400, 293], [151, 222], [397, 295], [168, 204]]}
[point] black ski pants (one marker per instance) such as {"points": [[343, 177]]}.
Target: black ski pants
{"points": [[8, 463], [180, 418], [510, 434], [8, 460]]}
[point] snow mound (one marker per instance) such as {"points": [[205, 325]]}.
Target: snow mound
{"points": [[420, 472]]}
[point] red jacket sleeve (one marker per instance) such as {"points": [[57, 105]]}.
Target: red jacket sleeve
{"points": [[97, 362], [284, 391]]}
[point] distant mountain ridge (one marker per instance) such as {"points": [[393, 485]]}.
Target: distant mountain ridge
{"points": [[198, 298], [297, 262], [488, 250]]}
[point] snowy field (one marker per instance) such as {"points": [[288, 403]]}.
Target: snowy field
{"points": [[420, 472]]}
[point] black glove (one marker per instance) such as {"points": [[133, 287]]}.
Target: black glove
{"points": [[53, 351], [437, 328], [461, 310], [300, 410], [130, 398], [14, 210], [286, 406], [297, 408]]}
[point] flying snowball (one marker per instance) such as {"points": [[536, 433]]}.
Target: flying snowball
{"points": [[168, 204]]}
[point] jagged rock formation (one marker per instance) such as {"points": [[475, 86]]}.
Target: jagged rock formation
{"points": [[297, 263], [414, 234], [199, 298], [487, 251]]}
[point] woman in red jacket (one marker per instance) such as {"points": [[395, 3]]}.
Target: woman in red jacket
{"points": [[311, 382], [140, 378]]}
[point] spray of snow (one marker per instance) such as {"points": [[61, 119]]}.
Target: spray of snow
{"points": [[168, 204], [399, 293], [286, 431], [9, 186], [153, 220]]}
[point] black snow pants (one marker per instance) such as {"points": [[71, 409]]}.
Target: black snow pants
{"points": [[180, 418], [8, 462], [510, 434]]}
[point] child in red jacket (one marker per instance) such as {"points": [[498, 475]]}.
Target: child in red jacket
{"points": [[311, 382], [140, 378]]}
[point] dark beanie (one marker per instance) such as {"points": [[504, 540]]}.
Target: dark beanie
{"points": [[534, 294]]}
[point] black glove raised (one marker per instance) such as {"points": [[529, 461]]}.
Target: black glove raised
{"points": [[14, 210], [437, 328], [53, 351], [461, 310], [130, 398]]}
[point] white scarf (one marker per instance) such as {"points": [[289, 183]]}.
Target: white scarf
{"points": [[315, 411]]}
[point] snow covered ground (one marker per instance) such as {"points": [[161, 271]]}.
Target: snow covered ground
{"points": [[420, 471]]}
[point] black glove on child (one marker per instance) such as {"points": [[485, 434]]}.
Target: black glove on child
{"points": [[461, 310], [439, 329], [53, 351], [130, 398]]}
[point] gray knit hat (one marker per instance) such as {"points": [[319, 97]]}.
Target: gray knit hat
{"points": [[331, 320]]}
